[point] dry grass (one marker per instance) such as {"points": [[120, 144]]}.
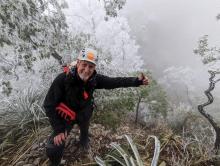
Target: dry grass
{"points": [[175, 149], [23, 125]]}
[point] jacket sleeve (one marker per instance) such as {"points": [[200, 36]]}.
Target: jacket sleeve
{"points": [[53, 98], [104, 82]]}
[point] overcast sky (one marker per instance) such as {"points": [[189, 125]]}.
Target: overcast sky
{"points": [[168, 30]]}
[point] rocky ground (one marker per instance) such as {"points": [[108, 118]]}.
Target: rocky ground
{"points": [[174, 148], [100, 140]]}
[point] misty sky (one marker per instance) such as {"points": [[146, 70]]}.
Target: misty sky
{"points": [[168, 30]]}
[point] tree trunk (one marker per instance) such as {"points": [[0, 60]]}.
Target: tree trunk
{"points": [[57, 57], [137, 109], [206, 115]]}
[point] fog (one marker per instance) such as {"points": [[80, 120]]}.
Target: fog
{"points": [[168, 31]]}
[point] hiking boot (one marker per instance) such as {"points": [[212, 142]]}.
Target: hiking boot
{"points": [[53, 164], [84, 147], [62, 163]]}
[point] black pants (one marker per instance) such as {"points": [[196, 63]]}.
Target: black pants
{"points": [[55, 153]]}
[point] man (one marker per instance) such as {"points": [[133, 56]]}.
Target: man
{"points": [[69, 100]]}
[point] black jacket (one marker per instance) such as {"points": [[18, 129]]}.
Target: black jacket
{"points": [[69, 88]]}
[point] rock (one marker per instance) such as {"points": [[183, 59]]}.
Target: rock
{"points": [[20, 163], [63, 162], [163, 164], [31, 160], [105, 133], [26, 159], [36, 161], [119, 137], [45, 141], [33, 154], [28, 155], [34, 147], [41, 149], [43, 157]]}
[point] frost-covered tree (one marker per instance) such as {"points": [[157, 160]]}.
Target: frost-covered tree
{"points": [[112, 7], [210, 55], [118, 42], [211, 58], [117, 49], [31, 30]]}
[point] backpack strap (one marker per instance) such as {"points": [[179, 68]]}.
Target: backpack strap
{"points": [[66, 69]]}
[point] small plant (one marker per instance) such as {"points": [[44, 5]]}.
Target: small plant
{"points": [[123, 157], [22, 115]]}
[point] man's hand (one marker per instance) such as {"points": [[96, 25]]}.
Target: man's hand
{"points": [[144, 79], [58, 140]]}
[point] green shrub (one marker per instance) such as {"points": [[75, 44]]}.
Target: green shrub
{"points": [[114, 104], [109, 119]]}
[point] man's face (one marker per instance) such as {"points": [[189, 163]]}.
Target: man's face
{"points": [[85, 69]]}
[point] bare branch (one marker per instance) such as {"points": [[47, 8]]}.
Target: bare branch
{"points": [[210, 100]]}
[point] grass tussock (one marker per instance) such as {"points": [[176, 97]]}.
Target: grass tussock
{"points": [[21, 123]]}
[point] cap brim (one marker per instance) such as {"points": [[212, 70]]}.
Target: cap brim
{"points": [[82, 59]]}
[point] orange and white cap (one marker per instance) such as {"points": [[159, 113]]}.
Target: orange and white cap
{"points": [[88, 54]]}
